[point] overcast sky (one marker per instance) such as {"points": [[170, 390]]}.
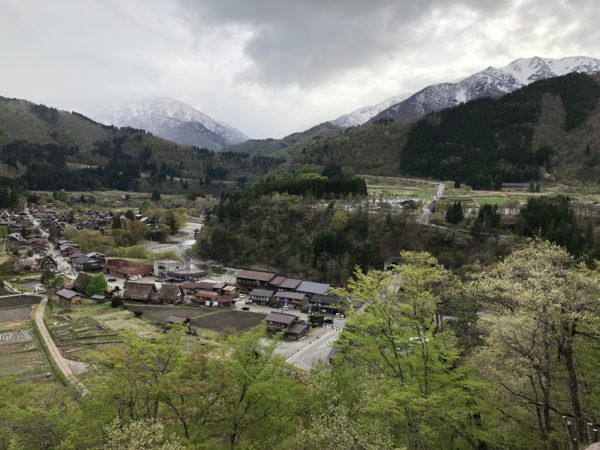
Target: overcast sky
{"points": [[271, 67]]}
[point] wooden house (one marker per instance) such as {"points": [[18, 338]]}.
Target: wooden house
{"points": [[250, 279], [140, 292], [296, 300], [262, 296], [170, 294], [289, 324]]}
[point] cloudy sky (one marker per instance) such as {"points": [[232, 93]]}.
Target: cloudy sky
{"points": [[271, 67]]}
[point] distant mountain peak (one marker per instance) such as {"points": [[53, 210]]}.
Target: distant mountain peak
{"points": [[490, 82], [173, 120]]}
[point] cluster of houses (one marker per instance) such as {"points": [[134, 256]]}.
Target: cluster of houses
{"points": [[28, 241], [278, 291]]}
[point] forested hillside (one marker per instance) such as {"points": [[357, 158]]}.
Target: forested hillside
{"points": [[550, 127], [289, 146], [44, 148]]}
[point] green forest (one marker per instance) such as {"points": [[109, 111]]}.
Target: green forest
{"points": [[325, 241], [481, 143]]}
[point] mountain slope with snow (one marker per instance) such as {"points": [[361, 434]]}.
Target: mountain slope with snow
{"points": [[362, 115], [175, 121], [491, 82]]}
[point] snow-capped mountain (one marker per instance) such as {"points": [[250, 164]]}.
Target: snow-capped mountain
{"points": [[490, 82], [362, 115], [175, 121]]}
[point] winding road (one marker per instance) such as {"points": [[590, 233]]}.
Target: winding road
{"points": [[61, 362]]}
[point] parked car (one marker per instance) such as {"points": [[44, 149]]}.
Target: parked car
{"points": [[112, 280], [245, 308]]}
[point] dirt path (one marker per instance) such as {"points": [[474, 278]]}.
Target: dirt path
{"points": [[61, 362]]}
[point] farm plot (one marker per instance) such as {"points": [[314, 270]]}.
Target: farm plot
{"points": [[21, 356], [9, 315], [237, 320], [161, 313], [86, 333], [18, 300]]}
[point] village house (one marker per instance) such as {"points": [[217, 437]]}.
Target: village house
{"points": [[126, 269], [325, 304], [87, 263], [276, 282], [250, 279], [289, 284], [289, 324], [310, 288], [81, 282], [296, 300], [186, 274], [205, 297], [68, 298], [140, 292], [170, 294], [263, 297], [163, 267], [48, 264]]}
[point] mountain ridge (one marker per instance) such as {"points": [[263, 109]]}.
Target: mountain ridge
{"points": [[490, 82], [173, 120]]}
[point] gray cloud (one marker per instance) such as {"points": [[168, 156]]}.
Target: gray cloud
{"points": [[271, 67], [311, 41]]}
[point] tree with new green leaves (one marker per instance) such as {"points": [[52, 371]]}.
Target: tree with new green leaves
{"points": [[261, 402], [542, 342], [97, 285], [146, 434], [429, 399]]}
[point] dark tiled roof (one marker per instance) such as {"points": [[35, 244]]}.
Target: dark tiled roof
{"points": [[290, 283], [325, 299], [311, 287], [290, 295], [255, 275], [297, 328], [67, 293], [277, 280], [277, 317], [262, 293]]}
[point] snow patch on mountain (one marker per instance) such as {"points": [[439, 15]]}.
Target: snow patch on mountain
{"points": [[362, 115], [491, 82], [173, 120]]}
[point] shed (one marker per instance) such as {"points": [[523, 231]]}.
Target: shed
{"points": [[67, 297], [99, 298]]}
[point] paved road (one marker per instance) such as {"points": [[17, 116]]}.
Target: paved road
{"points": [[61, 362], [316, 351]]}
